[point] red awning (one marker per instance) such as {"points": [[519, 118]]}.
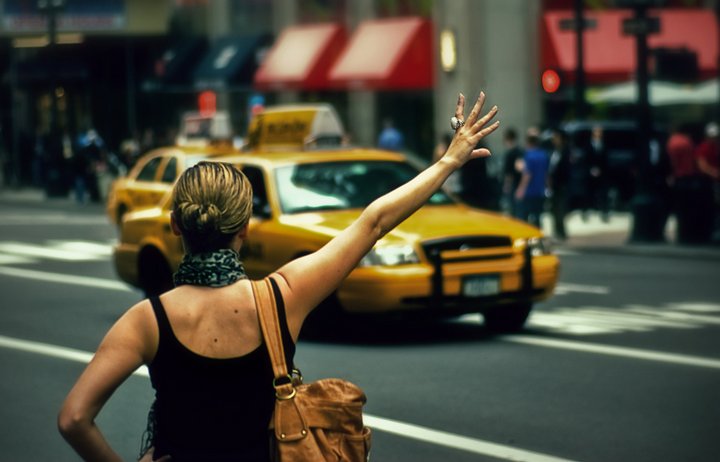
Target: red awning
{"points": [[301, 58], [610, 54], [387, 54]]}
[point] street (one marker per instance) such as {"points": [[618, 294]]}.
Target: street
{"points": [[623, 364]]}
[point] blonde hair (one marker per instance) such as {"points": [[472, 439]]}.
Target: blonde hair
{"points": [[212, 201]]}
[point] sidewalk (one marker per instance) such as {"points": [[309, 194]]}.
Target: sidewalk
{"points": [[591, 235], [613, 236]]}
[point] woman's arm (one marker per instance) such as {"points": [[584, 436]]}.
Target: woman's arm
{"points": [[308, 280], [130, 343]]}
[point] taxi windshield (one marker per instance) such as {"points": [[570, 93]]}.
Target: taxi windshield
{"points": [[342, 185]]}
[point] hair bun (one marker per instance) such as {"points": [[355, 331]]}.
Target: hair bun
{"points": [[208, 216]]}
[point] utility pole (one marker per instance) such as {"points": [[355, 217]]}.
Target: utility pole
{"points": [[648, 209], [578, 24], [54, 185], [580, 105]]}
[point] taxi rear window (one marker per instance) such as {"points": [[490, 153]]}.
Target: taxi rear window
{"points": [[341, 185]]}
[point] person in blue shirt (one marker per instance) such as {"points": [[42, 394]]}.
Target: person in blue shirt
{"points": [[530, 193], [390, 137]]}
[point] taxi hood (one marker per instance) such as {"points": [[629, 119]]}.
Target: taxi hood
{"points": [[430, 222]]}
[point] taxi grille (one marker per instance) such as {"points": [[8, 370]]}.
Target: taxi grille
{"points": [[440, 252], [433, 248]]}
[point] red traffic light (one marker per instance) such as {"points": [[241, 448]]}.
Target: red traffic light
{"points": [[550, 81]]}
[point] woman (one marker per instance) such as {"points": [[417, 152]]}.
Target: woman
{"points": [[202, 341]]}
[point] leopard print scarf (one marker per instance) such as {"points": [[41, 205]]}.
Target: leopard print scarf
{"points": [[213, 269]]}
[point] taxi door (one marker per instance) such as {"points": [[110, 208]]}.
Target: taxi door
{"points": [[147, 188], [258, 252]]}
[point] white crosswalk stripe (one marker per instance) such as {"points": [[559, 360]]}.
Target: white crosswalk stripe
{"points": [[595, 320], [16, 252]]}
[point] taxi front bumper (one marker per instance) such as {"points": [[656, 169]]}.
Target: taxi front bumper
{"points": [[441, 287]]}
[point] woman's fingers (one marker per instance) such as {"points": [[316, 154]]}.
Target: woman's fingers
{"points": [[485, 119], [477, 107], [460, 107]]}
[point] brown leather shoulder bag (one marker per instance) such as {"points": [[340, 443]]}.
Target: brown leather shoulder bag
{"points": [[318, 421]]}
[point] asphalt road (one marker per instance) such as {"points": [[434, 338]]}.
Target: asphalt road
{"points": [[623, 364]]}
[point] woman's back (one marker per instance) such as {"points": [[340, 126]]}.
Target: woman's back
{"points": [[212, 375]]}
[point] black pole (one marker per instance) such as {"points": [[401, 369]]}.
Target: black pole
{"points": [[55, 184], [648, 222], [580, 106]]}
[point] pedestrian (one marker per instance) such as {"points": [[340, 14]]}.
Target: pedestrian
{"points": [[512, 171], [533, 183], [559, 178], [201, 340], [390, 137], [685, 183], [708, 161], [599, 184], [475, 185], [81, 168]]}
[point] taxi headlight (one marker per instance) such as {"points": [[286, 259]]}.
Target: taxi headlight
{"points": [[392, 255], [538, 246]]}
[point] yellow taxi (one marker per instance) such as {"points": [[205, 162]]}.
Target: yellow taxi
{"points": [[446, 259], [154, 173]]}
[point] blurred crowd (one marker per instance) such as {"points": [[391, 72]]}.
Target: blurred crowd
{"points": [[553, 173], [87, 165]]}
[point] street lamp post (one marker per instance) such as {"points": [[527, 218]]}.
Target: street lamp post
{"points": [[647, 207], [54, 185], [579, 23]]}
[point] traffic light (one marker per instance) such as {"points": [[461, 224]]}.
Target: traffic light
{"points": [[550, 81]]}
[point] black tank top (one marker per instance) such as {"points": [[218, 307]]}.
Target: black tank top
{"points": [[209, 409]]}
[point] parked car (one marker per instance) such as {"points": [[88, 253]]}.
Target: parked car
{"points": [[447, 259]]}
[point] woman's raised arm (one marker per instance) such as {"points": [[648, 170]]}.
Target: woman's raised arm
{"points": [[308, 280]]}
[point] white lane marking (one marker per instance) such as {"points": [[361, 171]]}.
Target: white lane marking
{"points": [[14, 259], [56, 219], [635, 353], [564, 288], [417, 432], [697, 307], [454, 441], [56, 351], [66, 279], [84, 247], [30, 250]]}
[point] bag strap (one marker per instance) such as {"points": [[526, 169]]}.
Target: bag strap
{"points": [[270, 325]]}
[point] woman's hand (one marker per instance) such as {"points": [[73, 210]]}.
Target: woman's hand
{"points": [[467, 137]]}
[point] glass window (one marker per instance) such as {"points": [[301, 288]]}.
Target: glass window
{"points": [[170, 172], [261, 205], [342, 185], [148, 171]]}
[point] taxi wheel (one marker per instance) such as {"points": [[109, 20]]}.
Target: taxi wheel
{"points": [[155, 275], [507, 318]]}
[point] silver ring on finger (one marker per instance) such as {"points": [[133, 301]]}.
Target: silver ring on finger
{"points": [[456, 123]]}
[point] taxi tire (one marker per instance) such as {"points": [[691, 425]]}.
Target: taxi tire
{"points": [[154, 272], [507, 318]]}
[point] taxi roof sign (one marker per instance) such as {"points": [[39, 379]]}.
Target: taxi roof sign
{"points": [[300, 126], [202, 129]]}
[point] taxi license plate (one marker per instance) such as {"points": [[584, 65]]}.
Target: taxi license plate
{"points": [[481, 286]]}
